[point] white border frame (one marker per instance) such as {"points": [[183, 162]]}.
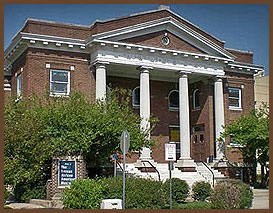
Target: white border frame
{"points": [[240, 99], [133, 98], [194, 107], [68, 84], [173, 108]]}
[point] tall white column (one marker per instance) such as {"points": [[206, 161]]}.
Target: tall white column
{"points": [[219, 116], [184, 116], [185, 161], [100, 81], [145, 106]]}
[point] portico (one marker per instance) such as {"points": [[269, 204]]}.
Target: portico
{"points": [[121, 60]]}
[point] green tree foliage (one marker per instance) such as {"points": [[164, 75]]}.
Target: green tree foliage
{"points": [[252, 132], [36, 129]]}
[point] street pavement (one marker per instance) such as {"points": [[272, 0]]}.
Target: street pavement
{"points": [[261, 199]]}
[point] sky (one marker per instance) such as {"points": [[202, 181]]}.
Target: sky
{"points": [[243, 27]]}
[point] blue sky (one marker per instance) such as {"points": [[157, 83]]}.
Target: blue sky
{"points": [[244, 27]]}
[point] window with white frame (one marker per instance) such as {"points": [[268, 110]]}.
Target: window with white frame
{"points": [[19, 85], [196, 99], [173, 100], [234, 98], [136, 97], [59, 82]]}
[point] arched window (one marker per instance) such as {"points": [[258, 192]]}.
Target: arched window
{"points": [[196, 99], [173, 100], [136, 97]]}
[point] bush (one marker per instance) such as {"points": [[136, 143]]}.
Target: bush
{"points": [[26, 191], [193, 205], [84, 194], [180, 189], [140, 193], [231, 194], [201, 190], [6, 194]]}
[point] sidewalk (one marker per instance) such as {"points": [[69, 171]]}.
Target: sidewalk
{"points": [[261, 199]]}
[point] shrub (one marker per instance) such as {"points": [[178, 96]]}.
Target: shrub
{"points": [[193, 205], [201, 190], [6, 194], [180, 189], [84, 194], [231, 194], [27, 191], [140, 193]]}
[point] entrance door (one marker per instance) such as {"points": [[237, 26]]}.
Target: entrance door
{"points": [[198, 144]]}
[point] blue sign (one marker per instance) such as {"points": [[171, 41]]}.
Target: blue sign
{"points": [[67, 172]]}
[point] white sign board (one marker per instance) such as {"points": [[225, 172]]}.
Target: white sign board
{"points": [[170, 151]]}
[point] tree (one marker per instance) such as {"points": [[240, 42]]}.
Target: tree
{"points": [[36, 129], [252, 132]]}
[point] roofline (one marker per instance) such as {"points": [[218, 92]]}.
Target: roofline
{"points": [[242, 51], [153, 11]]}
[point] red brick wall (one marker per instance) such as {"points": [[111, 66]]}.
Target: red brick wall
{"points": [[242, 56], [36, 77], [246, 83], [154, 40]]}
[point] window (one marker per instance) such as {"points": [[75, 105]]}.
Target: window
{"points": [[136, 97], [59, 82], [174, 133], [232, 142], [234, 98], [19, 85], [196, 99], [173, 100]]}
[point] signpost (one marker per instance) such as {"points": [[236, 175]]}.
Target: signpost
{"points": [[170, 156], [115, 157], [67, 172], [124, 146]]}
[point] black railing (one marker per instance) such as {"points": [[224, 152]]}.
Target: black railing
{"points": [[210, 171], [152, 167]]}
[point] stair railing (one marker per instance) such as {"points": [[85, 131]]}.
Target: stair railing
{"points": [[152, 167], [210, 171]]}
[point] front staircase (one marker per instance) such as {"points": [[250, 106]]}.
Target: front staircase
{"points": [[202, 173]]}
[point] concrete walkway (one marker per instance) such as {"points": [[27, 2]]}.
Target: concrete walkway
{"points": [[261, 199], [24, 206]]}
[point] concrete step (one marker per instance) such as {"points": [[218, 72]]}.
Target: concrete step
{"points": [[41, 202]]}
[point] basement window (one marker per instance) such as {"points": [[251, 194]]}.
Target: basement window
{"points": [[59, 82]]}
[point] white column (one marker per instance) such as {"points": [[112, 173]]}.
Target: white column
{"points": [[145, 106], [184, 117], [185, 161], [219, 116], [100, 81]]}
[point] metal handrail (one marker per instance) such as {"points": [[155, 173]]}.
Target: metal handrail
{"points": [[153, 167], [119, 166], [210, 171]]}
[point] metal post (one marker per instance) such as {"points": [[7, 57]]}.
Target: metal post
{"points": [[170, 176], [115, 167], [123, 188]]}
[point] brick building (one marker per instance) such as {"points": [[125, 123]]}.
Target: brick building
{"points": [[178, 73]]}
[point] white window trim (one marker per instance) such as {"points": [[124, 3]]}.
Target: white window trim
{"points": [[137, 106], [19, 93], [193, 98], [68, 84], [240, 99], [173, 108]]}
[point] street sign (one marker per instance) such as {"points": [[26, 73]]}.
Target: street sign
{"points": [[125, 141], [170, 151]]}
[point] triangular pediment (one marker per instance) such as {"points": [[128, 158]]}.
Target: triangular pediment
{"points": [[156, 40], [150, 33]]}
